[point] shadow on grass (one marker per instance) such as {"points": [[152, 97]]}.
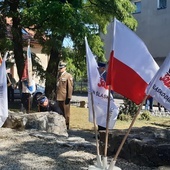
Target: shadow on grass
{"points": [[165, 124]]}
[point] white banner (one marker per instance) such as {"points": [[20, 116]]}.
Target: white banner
{"points": [[97, 86], [3, 92], [159, 88]]}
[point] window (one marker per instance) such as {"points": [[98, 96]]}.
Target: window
{"points": [[161, 4], [138, 6]]}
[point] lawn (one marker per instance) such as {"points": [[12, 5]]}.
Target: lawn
{"points": [[79, 120]]}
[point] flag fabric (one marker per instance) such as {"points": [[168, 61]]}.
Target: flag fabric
{"points": [[131, 66], [29, 59], [0, 60], [27, 73], [159, 88], [3, 92], [97, 87]]}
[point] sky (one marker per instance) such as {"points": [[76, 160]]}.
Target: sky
{"points": [[68, 42]]}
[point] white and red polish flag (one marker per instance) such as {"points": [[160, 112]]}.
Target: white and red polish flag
{"points": [[131, 66], [27, 72], [0, 60], [159, 88], [99, 90]]}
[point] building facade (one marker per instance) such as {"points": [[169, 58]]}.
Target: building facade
{"points": [[154, 26], [43, 58]]}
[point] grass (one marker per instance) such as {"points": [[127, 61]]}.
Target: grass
{"points": [[79, 120]]}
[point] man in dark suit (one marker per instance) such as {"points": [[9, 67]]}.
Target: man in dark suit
{"points": [[64, 90], [44, 104]]}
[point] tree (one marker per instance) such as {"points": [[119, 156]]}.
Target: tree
{"points": [[14, 40], [54, 20]]}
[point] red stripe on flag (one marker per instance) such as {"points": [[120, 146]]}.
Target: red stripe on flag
{"points": [[25, 71], [125, 80], [0, 60]]}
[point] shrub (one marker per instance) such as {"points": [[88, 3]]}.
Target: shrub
{"points": [[145, 116], [128, 107], [124, 117]]}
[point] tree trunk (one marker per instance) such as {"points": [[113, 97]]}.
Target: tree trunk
{"points": [[17, 37], [51, 74]]}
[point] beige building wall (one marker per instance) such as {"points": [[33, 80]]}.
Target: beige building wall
{"points": [[43, 60], [154, 28], [35, 49]]}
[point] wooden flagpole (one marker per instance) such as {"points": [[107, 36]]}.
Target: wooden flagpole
{"points": [[113, 162], [107, 130], [96, 135], [107, 123]]}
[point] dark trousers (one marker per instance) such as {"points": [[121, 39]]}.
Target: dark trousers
{"points": [[159, 108], [25, 100], [149, 104], [101, 128], [10, 94], [65, 108]]}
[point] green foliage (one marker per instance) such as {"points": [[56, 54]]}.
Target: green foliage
{"points": [[145, 115], [128, 108], [52, 21], [124, 117]]}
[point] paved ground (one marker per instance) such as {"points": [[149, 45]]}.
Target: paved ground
{"points": [[79, 98], [83, 97]]}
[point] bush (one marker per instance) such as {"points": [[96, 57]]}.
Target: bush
{"points": [[128, 107], [145, 116], [124, 117]]}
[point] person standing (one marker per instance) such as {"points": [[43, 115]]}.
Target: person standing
{"points": [[27, 91], [64, 90], [102, 72], [149, 104]]}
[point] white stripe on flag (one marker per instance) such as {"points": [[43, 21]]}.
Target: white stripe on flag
{"points": [[29, 59], [159, 88], [131, 66], [99, 92], [3, 92]]}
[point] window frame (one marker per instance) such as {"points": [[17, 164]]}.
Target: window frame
{"points": [[161, 4], [138, 5]]}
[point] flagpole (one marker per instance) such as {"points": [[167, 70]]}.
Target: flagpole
{"points": [[107, 131], [95, 129], [113, 162]]}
